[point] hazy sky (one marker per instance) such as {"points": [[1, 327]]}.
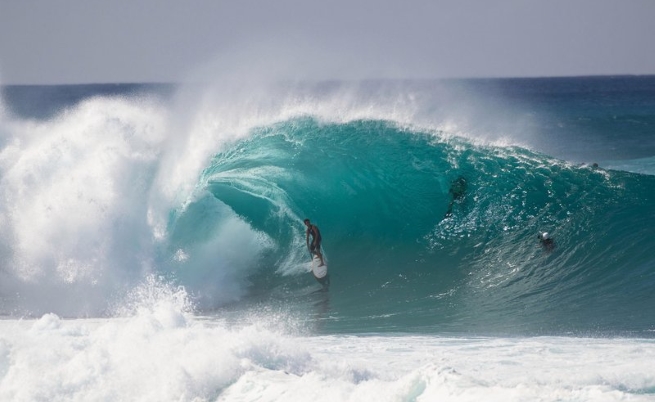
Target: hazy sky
{"points": [[81, 41]]}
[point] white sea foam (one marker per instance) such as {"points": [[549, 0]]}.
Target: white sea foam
{"points": [[87, 198], [74, 226], [162, 353]]}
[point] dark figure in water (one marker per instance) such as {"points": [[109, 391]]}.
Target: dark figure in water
{"points": [[315, 249], [546, 241], [457, 192], [315, 246]]}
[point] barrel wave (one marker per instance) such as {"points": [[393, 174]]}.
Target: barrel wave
{"points": [[172, 217], [422, 231], [429, 210]]}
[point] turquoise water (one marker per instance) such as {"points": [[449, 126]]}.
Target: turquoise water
{"points": [[114, 183], [380, 194], [152, 245]]}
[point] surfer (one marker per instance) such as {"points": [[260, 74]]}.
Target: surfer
{"points": [[457, 191], [315, 246], [546, 241]]}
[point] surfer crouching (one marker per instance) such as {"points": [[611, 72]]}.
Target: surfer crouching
{"points": [[315, 246]]}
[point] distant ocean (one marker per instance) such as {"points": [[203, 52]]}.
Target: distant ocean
{"points": [[152, 244]]}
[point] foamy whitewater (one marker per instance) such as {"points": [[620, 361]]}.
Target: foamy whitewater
{"points": [[152, 245]]}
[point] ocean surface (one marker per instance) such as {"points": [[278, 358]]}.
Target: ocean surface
{"points": [[152, 244]]}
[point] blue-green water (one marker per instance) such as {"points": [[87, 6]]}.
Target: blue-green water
{"points": [[373, 171], [380, 194], [152, 244]]}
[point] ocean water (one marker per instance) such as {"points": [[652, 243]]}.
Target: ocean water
{"points": [[153, 247]]}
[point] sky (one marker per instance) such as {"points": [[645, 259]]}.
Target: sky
{"points": [[86, 41]]}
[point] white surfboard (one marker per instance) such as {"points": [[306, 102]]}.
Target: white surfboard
{"points": [[319, 272]]}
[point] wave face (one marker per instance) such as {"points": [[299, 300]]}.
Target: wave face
{"points": [[380, 195], [424, 229]]}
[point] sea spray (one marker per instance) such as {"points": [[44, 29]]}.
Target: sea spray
{"points": [[143, 357], [73, 189], [155, 350]]}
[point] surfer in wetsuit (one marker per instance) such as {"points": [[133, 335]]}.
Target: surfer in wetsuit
{"points": [[315, 246]]}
